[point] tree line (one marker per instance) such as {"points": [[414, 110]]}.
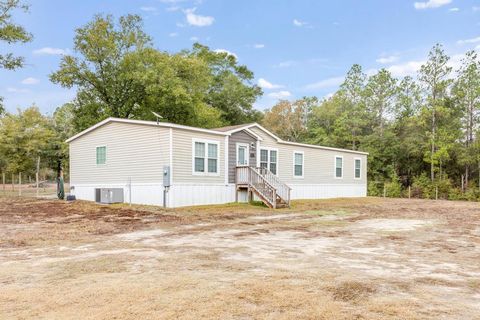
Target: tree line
{"points": [[420, 132]]}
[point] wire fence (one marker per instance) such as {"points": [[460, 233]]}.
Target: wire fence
{"points": [[21, 185]]}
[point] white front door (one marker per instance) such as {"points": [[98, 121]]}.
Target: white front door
{"points": [[242, 154]]}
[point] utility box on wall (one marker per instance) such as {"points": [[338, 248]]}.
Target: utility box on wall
{"points": [[109, 195], [166, 176]]}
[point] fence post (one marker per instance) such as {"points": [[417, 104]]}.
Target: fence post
{"points": [[409, 192], [384, 190], [436, 192], [3, 182], [20, 184], [13, 182], [36, 173]]}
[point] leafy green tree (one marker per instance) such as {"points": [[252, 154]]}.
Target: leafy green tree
{"points": [[352, 118], [379, 93], [98, 70], [62, 124], [118, 74], [231, 89], [323, 120], [24, 137], [288, 119], [466, 90], [434, 77], [11, 33], [175, 86]]}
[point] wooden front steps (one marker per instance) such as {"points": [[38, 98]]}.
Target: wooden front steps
{"points": [[264, 184]]}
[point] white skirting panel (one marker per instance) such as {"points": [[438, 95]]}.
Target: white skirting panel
{"points": [[324, 191], [142, 193], [181, 195], [242, 196]]}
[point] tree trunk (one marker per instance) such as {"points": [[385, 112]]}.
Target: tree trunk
{"points": [[466, 177]]}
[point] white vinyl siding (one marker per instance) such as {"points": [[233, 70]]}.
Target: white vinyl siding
{"points": [[184, 155], [338, 167], [319, 164], [101, 155], [358, 168], [298, 164], [205, 157], [133, 151]]}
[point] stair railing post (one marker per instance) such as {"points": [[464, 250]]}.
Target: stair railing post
{"points": [[274, 198]]}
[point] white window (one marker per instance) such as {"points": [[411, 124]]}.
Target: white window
{"points": [[269, 159], [242, 154], [101, 155], [338, 167], [358, 168], [298, 164], [205, 157]]}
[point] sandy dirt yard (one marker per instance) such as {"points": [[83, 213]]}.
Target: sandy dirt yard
{"points": [[333, 259]]}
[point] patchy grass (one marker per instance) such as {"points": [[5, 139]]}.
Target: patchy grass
{"points": [[352, 290], [324, 259]]}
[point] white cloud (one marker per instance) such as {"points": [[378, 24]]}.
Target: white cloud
{"points": [[475, 9], [431, 4], [299, 23], [387, 59], [409, 68], [173, 34], [148, 9], [473, 40], [259, 46], [198, 20], [225, 51], [30, 80], [285, 64], [51, 51], [328, 95], [17, 90], [280, 94], [262, 83], [454, 9], [194, 39], [327, 83]]}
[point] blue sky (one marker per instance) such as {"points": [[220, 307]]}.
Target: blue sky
{"points": [[295, 48]]}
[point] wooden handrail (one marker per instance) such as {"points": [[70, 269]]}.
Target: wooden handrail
{"points": [[265, 183]]}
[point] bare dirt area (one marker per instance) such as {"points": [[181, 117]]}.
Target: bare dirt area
{"points": [[329, 259]]}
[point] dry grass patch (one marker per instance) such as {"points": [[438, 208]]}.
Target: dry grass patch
{"points": [[322, 259], [352, 290]]}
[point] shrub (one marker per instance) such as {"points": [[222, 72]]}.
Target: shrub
{"points": [[373, 189], [444, 188], [422, 187], [394, 187]]}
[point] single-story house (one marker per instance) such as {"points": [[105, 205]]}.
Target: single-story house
{"points": [[158, 163]]}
